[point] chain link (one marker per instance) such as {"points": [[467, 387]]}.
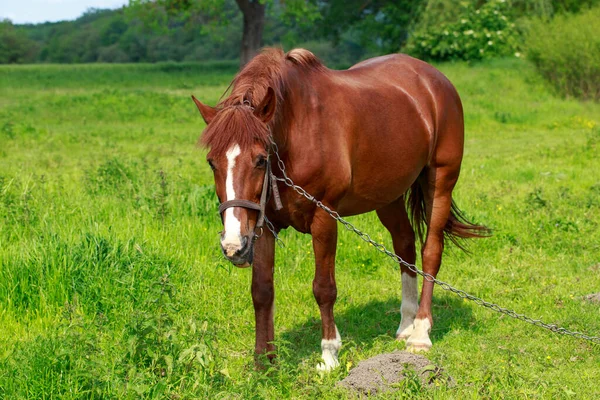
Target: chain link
{"points": [[272, 228], [446, 286]]}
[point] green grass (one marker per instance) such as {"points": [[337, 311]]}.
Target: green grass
{"points": [[112, 284]]}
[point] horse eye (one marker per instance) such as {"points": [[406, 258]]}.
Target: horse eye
{"points": [[212, 166], [261, 162]]}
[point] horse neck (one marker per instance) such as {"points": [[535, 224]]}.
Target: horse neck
{"points": [[295, 104]]}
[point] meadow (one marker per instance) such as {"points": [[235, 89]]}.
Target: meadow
{"points": [[112, 284]]}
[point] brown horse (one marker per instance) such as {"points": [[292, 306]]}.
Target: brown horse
{"points": [[384, 136]]}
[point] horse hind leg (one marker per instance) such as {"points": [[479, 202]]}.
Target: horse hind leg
{"points": [[395, 219], [437, 191]]}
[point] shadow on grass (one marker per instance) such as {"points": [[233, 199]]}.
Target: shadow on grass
{"points": [[364, 323]]}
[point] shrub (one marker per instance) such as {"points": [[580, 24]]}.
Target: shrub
{"points": [[566, 51], [475, 34]]}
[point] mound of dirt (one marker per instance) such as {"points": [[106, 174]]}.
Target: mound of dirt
{"points": [[382, 372], [592, 298]]}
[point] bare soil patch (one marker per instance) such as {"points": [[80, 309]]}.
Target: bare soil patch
{"points": [[384, 372], [592, 298]]}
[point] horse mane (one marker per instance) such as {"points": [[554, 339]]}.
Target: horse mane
{"points": [[234, 122]]}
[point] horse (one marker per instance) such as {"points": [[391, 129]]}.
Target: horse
{"points": [[385, 135]]}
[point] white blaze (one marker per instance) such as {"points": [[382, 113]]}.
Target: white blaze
{"points": [[231, 239]]}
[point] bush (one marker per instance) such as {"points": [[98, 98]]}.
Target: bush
{"points": [[475, 34], [566, 51]]}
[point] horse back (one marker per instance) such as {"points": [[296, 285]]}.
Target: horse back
{"points": [[386, 119]]}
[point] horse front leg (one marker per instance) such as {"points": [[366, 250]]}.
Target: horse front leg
{"points": [[263, 296], [324, 237]]}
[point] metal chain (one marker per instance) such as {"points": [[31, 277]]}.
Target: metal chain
{"points": [[272, 228], [446, 286]]}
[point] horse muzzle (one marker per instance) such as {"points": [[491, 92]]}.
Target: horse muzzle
{"points": [[239, 253]]}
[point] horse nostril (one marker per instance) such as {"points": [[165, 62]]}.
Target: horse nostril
{"points": [[244, 246]]}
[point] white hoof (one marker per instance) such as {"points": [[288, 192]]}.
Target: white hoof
{"points": [[330, 349], [417, 347], [404, 331], [419, 339], [328, 365]]}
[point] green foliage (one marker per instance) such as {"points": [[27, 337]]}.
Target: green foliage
{"points": [[153, 32], [566, 51], [187, 31], [438, 12], [379, 27], [572, 6], [476, 34], [340, 32], [118, 36], [296, 14], [15, 46], [154, 354], [547, 8]]}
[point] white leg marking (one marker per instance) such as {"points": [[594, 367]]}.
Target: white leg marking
{"points": [[409, 306], [231, 240], [419, 340], [330, 349]]}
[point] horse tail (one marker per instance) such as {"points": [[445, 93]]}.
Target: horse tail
{"points": [[415, 202], [457, 227]]}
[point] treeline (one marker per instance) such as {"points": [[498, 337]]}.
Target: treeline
{"points": [[122, 36], [114, 36], [343, 33]]}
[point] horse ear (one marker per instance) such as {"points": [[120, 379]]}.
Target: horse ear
{"points": [[208, 112], [266, 108]]}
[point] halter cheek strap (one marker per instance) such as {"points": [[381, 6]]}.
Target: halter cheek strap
{"points": [[269, 187]]}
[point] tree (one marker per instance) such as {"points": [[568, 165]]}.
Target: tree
{"points": [[381, 26], [254, 24], [15, 47], [158, 14]]}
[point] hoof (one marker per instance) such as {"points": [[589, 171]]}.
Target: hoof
{"points": [[403, 333], [330, 348], [419, 339], [327, 366], [418, 347]]}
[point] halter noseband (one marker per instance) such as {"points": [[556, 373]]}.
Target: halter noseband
{"points": [[269, 182]]}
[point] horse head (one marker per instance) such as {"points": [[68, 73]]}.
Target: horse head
{"points": [[237, 137]]}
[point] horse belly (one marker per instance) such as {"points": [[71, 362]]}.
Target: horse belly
{"points": [[373, 188], [384, 166], [370, 197]]}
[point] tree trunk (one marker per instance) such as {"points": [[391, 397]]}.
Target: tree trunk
{"points": [[254, 23]]}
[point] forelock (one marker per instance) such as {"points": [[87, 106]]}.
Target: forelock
{"points": [[234, 125]]}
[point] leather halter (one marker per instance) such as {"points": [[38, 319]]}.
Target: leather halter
{"points": [[269, 187]]}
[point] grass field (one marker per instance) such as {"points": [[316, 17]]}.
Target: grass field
{"points": [[112, 284]]}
